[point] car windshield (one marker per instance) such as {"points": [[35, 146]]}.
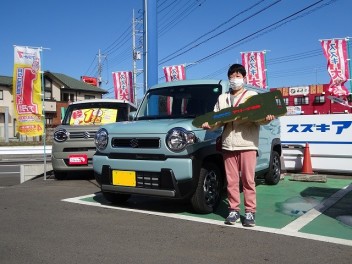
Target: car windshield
{"points": [[186, 101], [94, 114]]}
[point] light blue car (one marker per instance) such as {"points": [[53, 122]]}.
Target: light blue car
{"points": [[160, 153]]}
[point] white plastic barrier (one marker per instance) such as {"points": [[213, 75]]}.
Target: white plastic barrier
{"points": [[20, 150], [30, 171]]}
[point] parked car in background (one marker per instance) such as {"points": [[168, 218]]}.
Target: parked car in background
{"points": [[73, 144], [160, 153]]}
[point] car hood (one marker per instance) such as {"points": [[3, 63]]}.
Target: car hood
{"points": [[160, 126]]}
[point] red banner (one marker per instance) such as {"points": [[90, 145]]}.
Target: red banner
{"points": [[175, 73], [254, 63], [335, 51], [90, 80], [123, 86]]}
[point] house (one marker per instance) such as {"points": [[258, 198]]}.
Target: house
{"points": [[59, 91]]}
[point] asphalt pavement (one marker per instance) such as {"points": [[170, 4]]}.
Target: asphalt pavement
{"points": [[9, 174], [38, 225]]}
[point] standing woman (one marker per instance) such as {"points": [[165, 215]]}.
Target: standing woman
{"points": [[240, 149]]}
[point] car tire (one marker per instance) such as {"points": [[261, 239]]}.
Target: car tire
{"points": [[209, 189], [116, 198], [60, 175], [274, 174]]}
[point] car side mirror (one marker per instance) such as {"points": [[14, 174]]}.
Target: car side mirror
{"points": [[132, 115]]}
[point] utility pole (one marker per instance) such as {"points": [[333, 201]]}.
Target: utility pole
{"points": [[150, 44], [100, 67], [136, 55]]}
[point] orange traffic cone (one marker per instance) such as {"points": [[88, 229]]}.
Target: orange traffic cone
{"points": [[307, 163]]}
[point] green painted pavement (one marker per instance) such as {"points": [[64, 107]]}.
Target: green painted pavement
{"points": [[335, 221], [277, 206]]}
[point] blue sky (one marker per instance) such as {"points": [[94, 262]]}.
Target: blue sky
{"points": [[190, 31]]}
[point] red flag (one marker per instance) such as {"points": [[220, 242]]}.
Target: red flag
{"points": [[123, 86], [175, 73], [254, 63], [335, 51]]}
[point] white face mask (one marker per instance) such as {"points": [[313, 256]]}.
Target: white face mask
{"points": [[236, 83]]}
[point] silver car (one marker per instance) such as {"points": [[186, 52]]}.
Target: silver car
{"points": [[73, 144]]}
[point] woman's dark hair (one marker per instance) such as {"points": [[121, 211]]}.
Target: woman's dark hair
{"points": [[236, 68]]}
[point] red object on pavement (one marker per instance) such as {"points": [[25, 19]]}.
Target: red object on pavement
{"points": [[307, 162]]}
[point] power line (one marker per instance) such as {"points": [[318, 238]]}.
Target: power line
{"points": [[176, 17], [90, 66], [263, 31], [223, 31], [211, 31]]}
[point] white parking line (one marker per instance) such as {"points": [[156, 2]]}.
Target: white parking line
{"points": [[308, 217], [284, 231]]}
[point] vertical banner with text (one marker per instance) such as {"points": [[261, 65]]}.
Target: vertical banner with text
{"points": [[335, 51], [254, 63], [27, 91], [123, 86], [173, 73]]}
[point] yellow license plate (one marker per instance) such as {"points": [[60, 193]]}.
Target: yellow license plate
{"points": [[124, 178]]}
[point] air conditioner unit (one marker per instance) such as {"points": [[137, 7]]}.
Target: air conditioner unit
{"points": [[315, 111], [323, 93], [346, 111]]}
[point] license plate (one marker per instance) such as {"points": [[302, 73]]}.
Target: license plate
{"points": [[78, 159], [124, 178]]}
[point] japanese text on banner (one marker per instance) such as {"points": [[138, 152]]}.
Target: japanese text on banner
{"points": [[27, 91]]}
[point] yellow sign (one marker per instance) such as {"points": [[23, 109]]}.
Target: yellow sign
{"points": [[93, 116], [27, 91]]}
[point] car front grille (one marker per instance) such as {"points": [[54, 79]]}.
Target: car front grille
{"points": [[149, 180], [82, 134], [149, 143]]}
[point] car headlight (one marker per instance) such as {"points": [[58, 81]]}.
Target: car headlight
{"points": [[178, 138], [61, 135], [101, 139]]}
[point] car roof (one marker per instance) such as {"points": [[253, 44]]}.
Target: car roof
{"points": [[186, 82], [102, 101]]}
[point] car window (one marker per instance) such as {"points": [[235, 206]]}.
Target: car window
{"points": [[95, 113], [93, 116], [179, 102]]}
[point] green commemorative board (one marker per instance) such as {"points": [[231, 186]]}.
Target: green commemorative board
{"points": [[255, 109]]}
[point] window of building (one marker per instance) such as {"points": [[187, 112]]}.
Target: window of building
{"points": [[48, 89], [304, 100], [68, 97], [319, 99], [1, 95], [286, 101], [48, 121], [87, 96]]}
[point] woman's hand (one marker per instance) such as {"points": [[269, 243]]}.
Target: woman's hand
{"points": [[269, 117], [206, 126]]}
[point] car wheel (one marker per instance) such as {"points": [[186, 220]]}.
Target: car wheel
{"points": [[274, 174], [60, 175], [208, 193], [116, 198]]}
